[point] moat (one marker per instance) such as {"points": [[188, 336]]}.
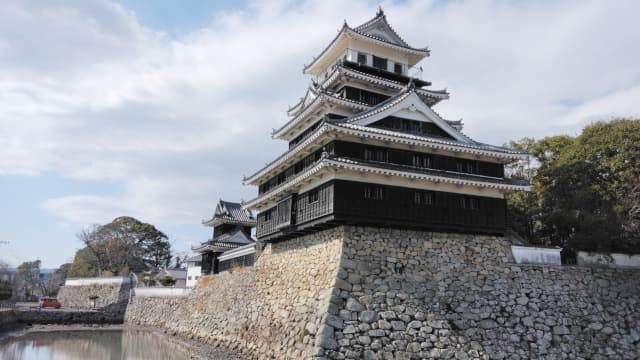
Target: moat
{"points": [[99, 345]]}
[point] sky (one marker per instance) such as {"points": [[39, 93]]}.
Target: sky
{"points": [[157, 109]]}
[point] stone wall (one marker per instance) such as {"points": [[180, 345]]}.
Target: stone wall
{"points": [[362, 292], [7, 319], [412, 295], [111, 297], [271, 310]]}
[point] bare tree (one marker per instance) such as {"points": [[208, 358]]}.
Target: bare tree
{"points": [[93, 245]]}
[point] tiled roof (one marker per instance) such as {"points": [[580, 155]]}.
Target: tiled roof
{"points": [[435, 172], [177, 274], [225, 242], [238, 237], [345, 69], [472, 145], [392, 170], [322, 96], [361, 30], [380, 22], [231, 212]]}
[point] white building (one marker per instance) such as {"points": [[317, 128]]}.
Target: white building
{"points": [[193, 270]]}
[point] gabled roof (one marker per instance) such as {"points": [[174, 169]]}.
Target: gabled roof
{"points": [[224, 242], [376, 30], [230, 213], [348, 70], [178, 274], [308, 97], [407, 100], [323, 97], [379, 28]]}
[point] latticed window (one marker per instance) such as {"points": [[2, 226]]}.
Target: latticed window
{"points": [[423, 198], [374, 192], [422, 161], [362, 59], [380, 63], [312, 196], [268, 215], [380, 155], [467, 166], [469, 203], [397, 68]]}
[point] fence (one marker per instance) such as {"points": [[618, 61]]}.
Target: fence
{"points": [[7, 304]]}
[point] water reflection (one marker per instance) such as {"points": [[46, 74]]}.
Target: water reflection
{"points": [[98, 345]]}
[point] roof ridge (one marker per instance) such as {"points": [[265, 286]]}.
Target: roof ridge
{"points": [[381, 17]]}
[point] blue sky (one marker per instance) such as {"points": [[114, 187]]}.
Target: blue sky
{"points": [[156, 109]]}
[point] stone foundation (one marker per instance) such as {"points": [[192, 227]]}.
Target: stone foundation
{"points": [[271, 310], [362, 292]]}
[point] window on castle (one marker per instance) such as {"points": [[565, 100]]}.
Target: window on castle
{"points": [[397, 68], [423, 197], [376, 155], [380, 63], [312, 196], [362, 59], [469, 203], [268, 215], [422, 161], [374, 192], [467, 166]]}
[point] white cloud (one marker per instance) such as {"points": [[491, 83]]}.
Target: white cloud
{"points": [[88, 92]]}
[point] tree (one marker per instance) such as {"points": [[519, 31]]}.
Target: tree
{"points": [[55, 280], [6, 281], [27, 281], [631, 215], [123, 245], [585, 189], [84, 264]]}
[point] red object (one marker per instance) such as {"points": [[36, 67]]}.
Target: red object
{"points": [[49, 302]]}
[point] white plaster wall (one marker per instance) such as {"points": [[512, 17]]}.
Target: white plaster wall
{"points": [[626, 260], [609, 259], [161, 292], [535, 255], [193, 273], [96, 281]]}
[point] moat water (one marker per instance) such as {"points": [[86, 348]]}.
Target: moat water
{"points": [[94, 345]]}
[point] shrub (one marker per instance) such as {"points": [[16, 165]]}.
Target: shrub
{"points": [[166, 280]]}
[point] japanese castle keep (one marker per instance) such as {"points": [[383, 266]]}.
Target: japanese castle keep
{"points": [[367, 148], [384, 238]]}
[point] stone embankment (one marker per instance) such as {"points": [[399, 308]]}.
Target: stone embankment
{"points": [[362, 292], [410, 295], [107, 294], [7, 319], [272, 309], [12, 318]]}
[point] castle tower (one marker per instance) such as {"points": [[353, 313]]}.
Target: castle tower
{"points": [[367, 148], [231, 230]]}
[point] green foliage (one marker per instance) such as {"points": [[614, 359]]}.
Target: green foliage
{"points": [[83, 264], [166, 280], [583, 196], [121, 246]]}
